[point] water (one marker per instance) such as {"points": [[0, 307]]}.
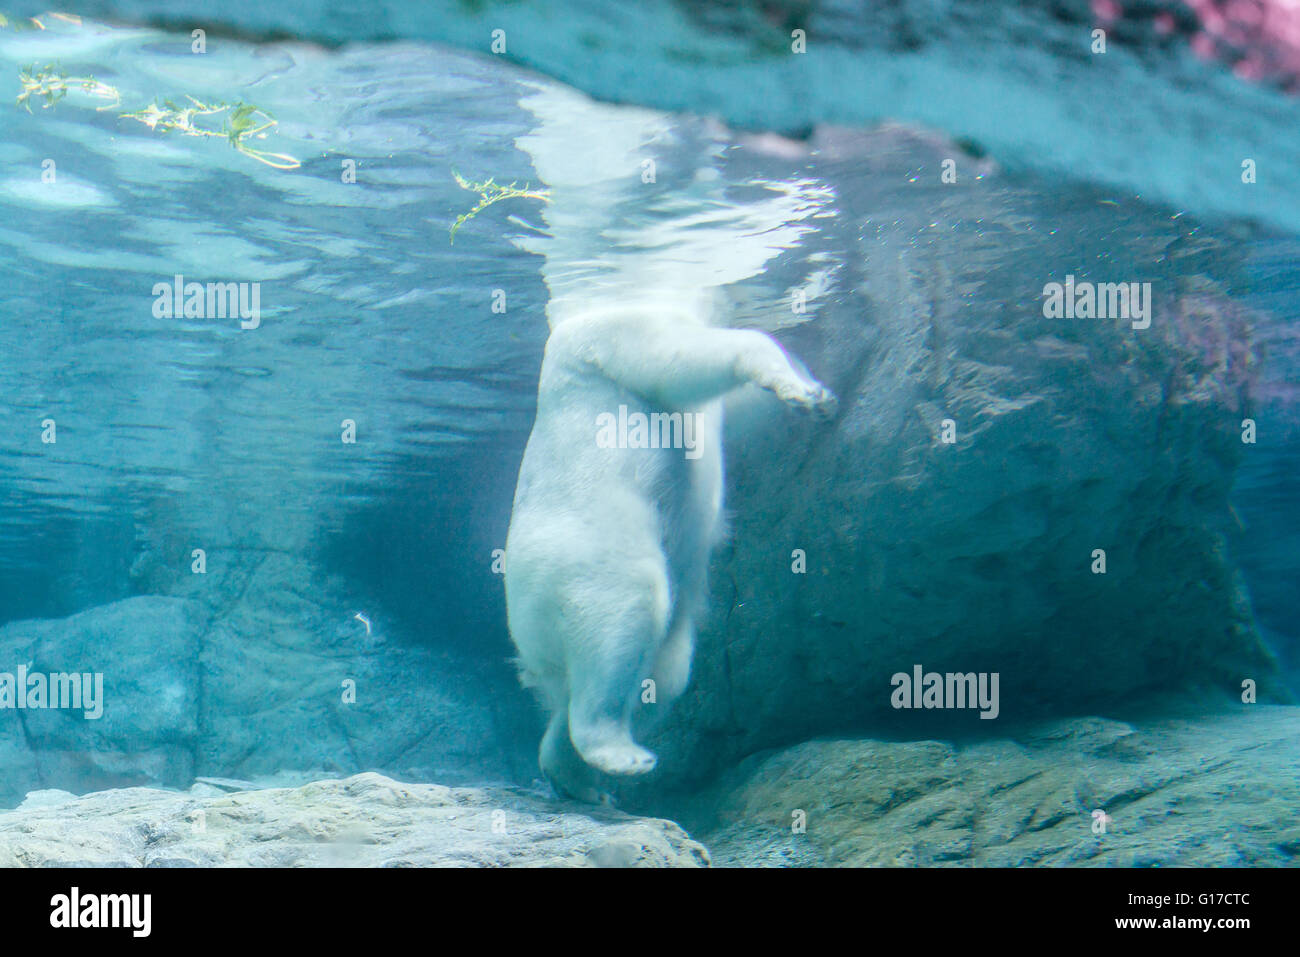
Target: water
{"points": [[329, 559]]}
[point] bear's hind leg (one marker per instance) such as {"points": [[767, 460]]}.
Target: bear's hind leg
{"points": [[606, 671]]}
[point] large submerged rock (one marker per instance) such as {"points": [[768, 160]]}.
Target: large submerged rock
{"points": [[980, 554], [257, 670], [1218, 791]]}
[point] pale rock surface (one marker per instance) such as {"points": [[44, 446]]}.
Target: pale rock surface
{"points": [[363, 821]]}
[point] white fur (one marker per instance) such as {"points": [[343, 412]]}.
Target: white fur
{"points": [[608, 548]]}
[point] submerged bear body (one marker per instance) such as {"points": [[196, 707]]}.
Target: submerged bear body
{"points": [[610, 533]]}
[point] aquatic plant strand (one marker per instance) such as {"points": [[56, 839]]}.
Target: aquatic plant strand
{"points": [[241, 122], [492, 192], [244, 121], [52, 86]]}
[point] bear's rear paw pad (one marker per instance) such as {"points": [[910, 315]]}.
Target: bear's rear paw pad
{"points": [[621, 759]]}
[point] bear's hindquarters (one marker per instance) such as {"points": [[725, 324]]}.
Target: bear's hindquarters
{"points": [[589, 614]]}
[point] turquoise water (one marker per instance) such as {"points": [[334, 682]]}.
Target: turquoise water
{"points": [[331, 558]]}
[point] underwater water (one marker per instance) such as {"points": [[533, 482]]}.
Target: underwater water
{"points": [[268, 513]]}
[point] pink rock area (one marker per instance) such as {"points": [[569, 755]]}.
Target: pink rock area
{"points": [[1259, 38]]}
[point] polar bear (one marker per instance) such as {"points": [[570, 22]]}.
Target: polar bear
{"points": [[607, 550]]}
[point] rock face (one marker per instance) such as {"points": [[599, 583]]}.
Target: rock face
{"points": [[246, 678], [147, 651], [979, 554], [362, 821], [1220, 791]]}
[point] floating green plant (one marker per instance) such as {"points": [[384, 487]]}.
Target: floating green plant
{"points": [[240, 122], [52, 85], [491, 192]]}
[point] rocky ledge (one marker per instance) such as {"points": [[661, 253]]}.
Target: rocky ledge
{"points": [[362, 821], [1219, 790]]}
